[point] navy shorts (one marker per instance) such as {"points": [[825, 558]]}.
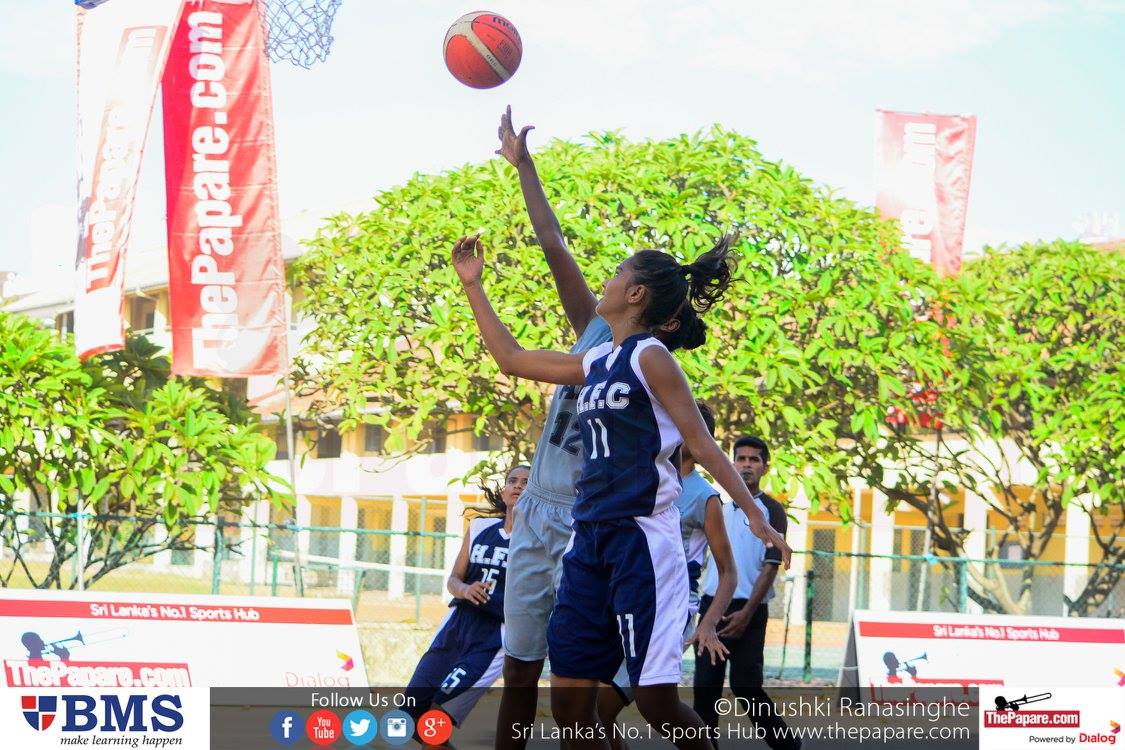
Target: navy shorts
{"points": [[463, 660], [623, 595]]}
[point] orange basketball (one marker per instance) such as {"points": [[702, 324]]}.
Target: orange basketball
{"points": [[482, 49]]}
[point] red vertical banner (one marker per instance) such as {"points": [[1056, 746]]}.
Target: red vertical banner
{"points": [[923, 167], [226, 275], [122, 49]]}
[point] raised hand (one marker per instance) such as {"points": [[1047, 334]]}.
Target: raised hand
{"points": [[705, 639], [468, 259], [512, 147]]}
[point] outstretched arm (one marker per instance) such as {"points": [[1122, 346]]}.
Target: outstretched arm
{"points": [[544, 366], [671, 388], [577, 300]]}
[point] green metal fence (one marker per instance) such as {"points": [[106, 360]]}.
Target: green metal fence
{"points": [[395, 579]]}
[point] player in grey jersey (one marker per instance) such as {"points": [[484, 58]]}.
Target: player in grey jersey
{"points": [[541, 528]]}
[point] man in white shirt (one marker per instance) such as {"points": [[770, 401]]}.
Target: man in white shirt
{"points": [[743, 626]]}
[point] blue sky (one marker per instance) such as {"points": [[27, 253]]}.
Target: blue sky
{"points": [[1046, 80]]}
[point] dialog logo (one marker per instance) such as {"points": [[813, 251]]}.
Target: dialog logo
{"points": [[323, 727], [39, 710], [360, 727], [285, 727], [398, 727]]}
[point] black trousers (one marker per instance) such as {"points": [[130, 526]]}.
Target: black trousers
{"points": [[746, 660]]}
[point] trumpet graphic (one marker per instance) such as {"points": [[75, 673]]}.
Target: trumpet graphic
{"points": [[1014, 704], [893, 664], [39, 649]]}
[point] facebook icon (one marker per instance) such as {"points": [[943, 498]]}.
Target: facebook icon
{"points": [[286, 727]]}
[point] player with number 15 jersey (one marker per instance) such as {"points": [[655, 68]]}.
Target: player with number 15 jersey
{"points": [[466, 655]]}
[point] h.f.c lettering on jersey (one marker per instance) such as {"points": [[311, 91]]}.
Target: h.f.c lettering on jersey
{"points": [[631, 445]]}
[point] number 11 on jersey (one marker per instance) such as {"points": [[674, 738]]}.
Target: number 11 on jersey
{"points": [[625, 625], [598, 428]]}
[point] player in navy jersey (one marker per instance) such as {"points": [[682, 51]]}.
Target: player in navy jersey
{"points": [[624, 588], [701, 527], [466, 655]]}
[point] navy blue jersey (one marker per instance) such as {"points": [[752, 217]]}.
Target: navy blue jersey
{"points": [[488, 562], [631, 449]]}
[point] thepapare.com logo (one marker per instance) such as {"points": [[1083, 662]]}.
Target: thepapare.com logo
{"points": [[76, 713]]}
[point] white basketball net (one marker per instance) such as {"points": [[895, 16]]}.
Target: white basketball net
{"points": [[298, 31]]}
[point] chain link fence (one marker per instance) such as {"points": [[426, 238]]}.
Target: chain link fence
{"points": [[395, 579]]}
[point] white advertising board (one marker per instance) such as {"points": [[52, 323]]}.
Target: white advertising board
{"points": [[899, 649], [104, 659], [1054, 680]]}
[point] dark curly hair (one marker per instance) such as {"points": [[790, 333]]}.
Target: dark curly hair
{"points": [[686, 331], [493, 496], [683, 291]]}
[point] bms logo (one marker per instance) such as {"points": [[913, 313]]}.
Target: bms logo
{"points": [[39, 710], [105, 713]]}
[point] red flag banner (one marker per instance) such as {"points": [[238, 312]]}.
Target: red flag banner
{"points": [[122, 50], [923, 166], [226, 275]]}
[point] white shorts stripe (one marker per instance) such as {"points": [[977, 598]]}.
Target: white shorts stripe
{"points": [[663, 661]]}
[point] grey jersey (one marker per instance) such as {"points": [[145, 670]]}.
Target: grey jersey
{"points": [[558, 457]]}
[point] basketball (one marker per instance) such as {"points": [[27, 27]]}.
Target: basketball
{"points": [[482, 49]]}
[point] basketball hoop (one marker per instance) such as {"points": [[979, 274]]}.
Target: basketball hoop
{"points": [[298, 31]]}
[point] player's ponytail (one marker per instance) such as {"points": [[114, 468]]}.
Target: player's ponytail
{"points": [[680, 292], [685, 331], [710, 275], [494, 500]]}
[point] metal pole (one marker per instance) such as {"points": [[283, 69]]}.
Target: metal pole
{"points": [[253, 551], [217, 558], [418, 562], [962, 586], [298, 573], [356, 589], [810, 591], [80, 558], [274, 559], [935, 507], [924, 567], [853, 567]]}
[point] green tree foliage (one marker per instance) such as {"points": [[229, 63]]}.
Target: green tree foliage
{"points": [[820, 333], [1048, 402], [143, 450]]}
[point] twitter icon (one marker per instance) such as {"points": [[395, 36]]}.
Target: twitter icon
{"points": [[360, 727]]}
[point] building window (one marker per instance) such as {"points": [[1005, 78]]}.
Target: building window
{"points": [[142, 315], [1011, 551], [437, 436], [487, 442], [64, 323], [374, 438], [328, 443], [281, 440]]}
